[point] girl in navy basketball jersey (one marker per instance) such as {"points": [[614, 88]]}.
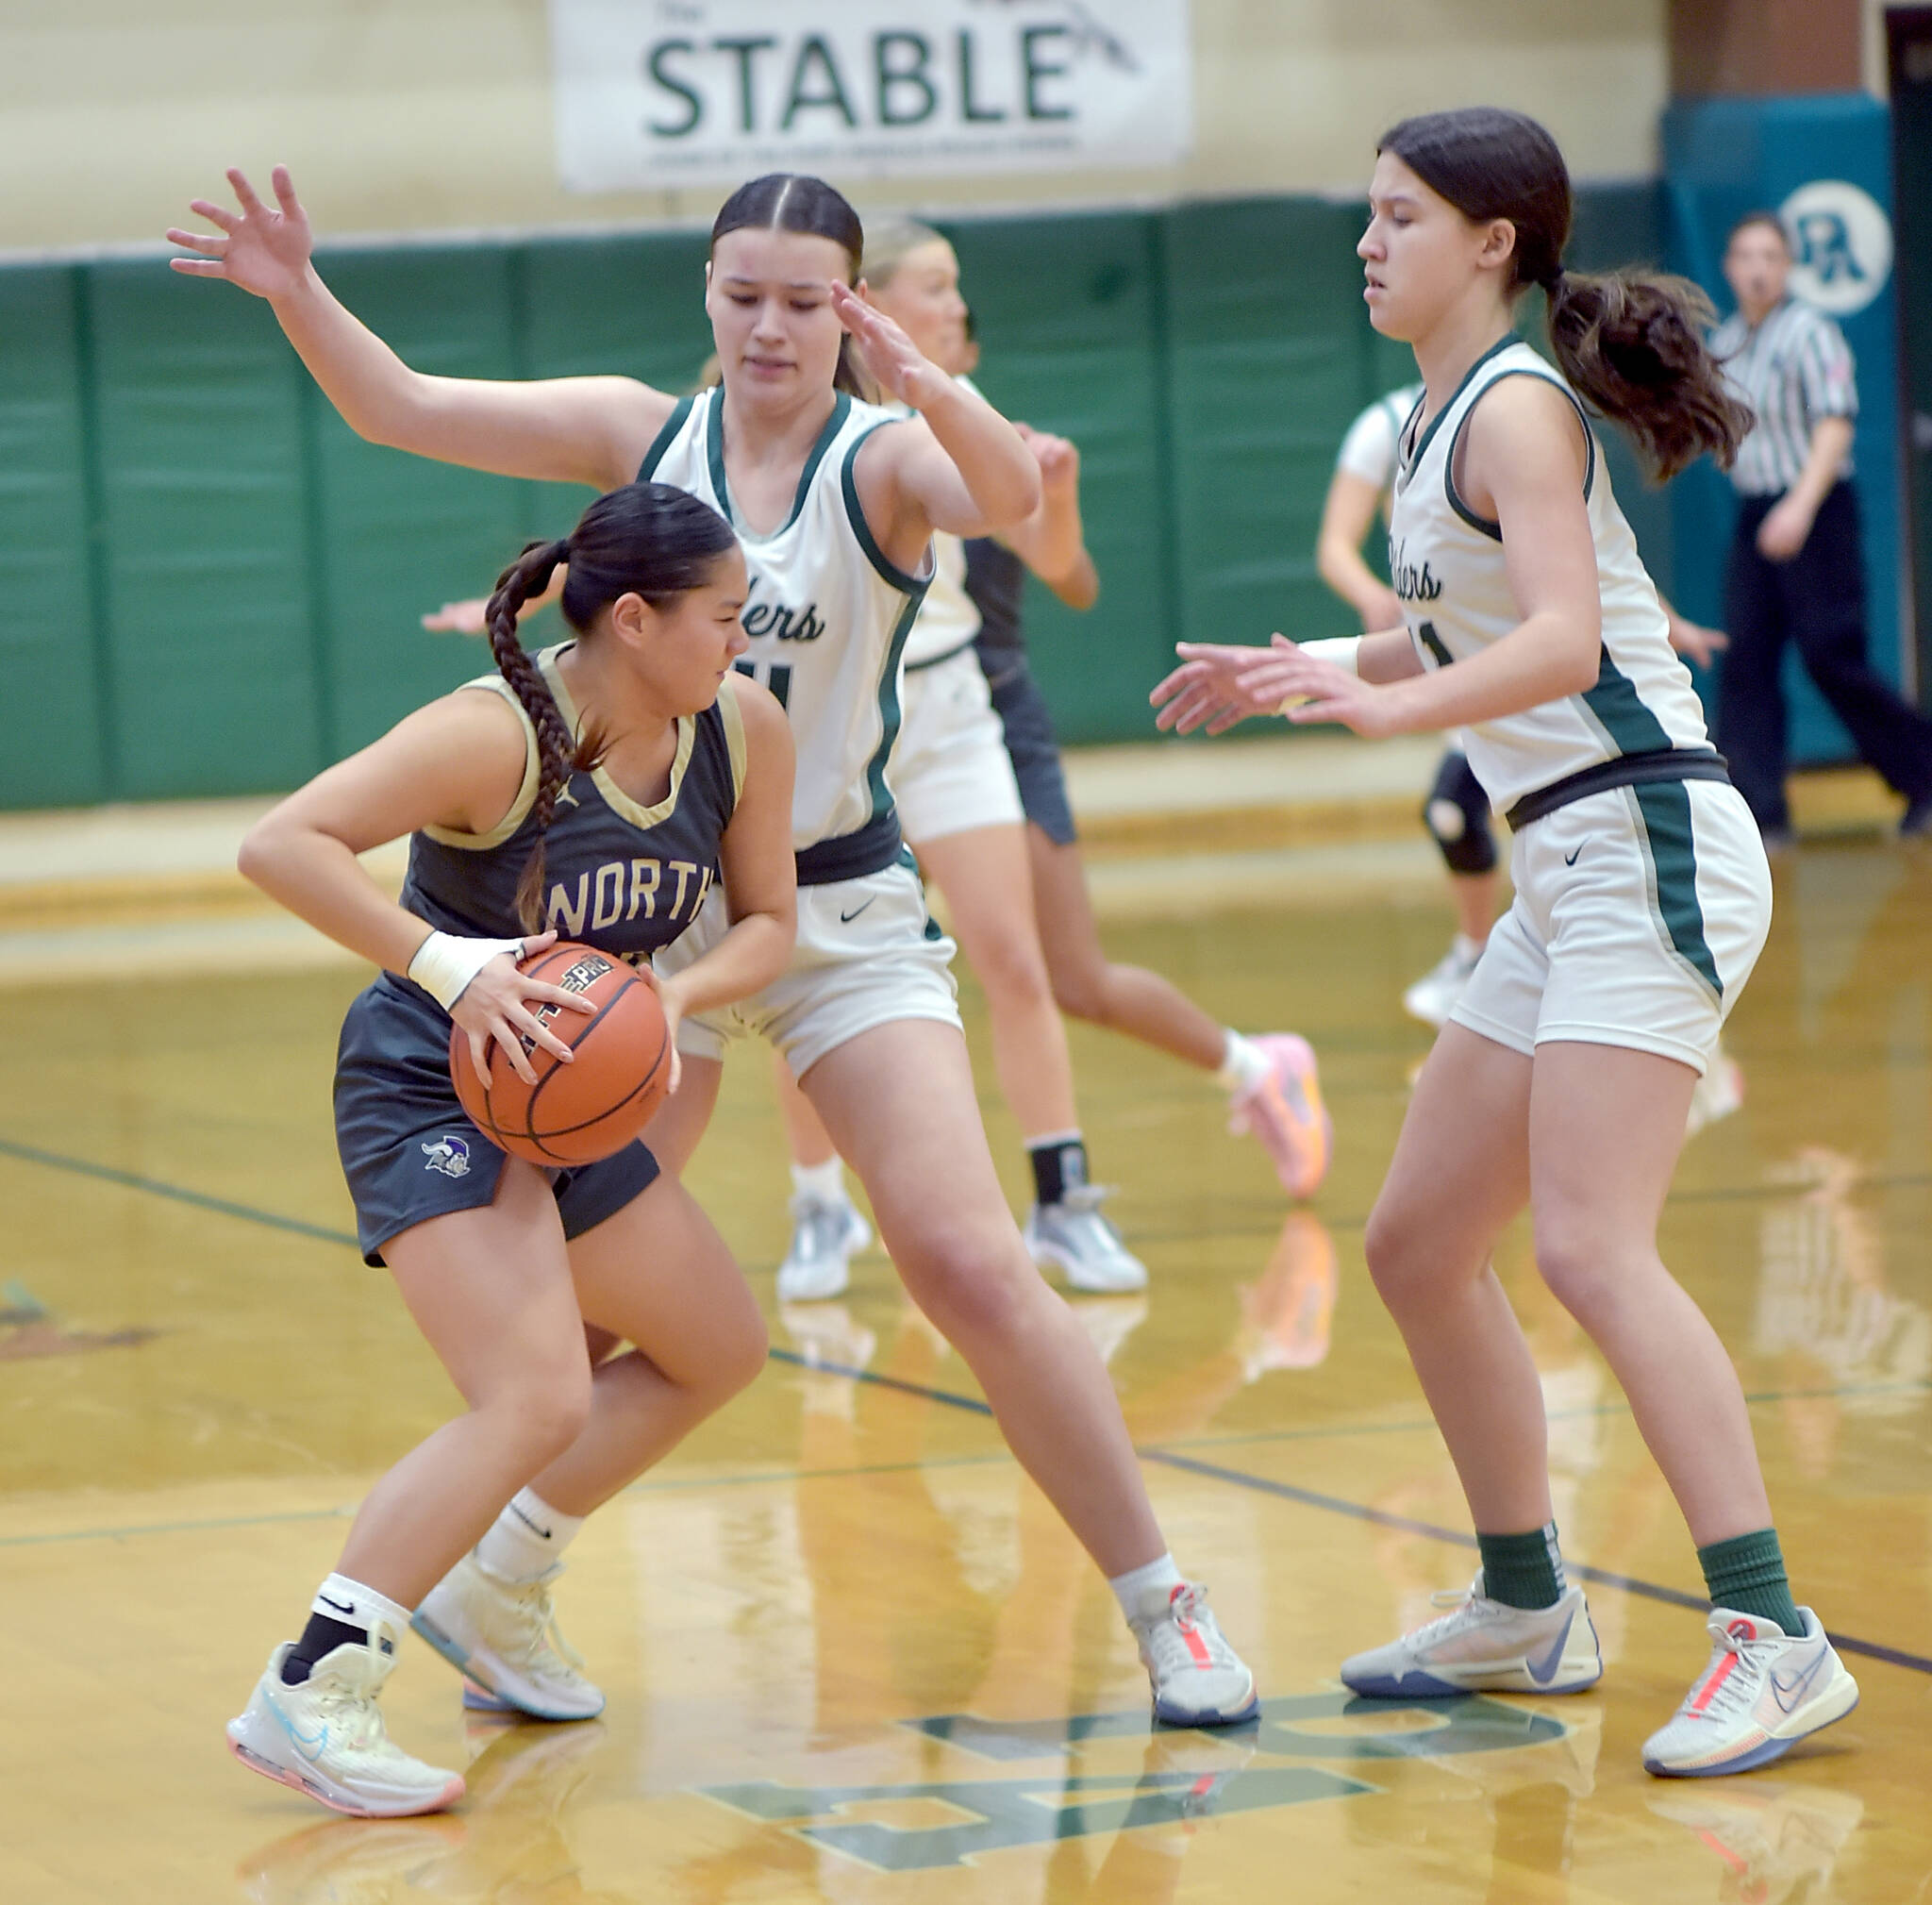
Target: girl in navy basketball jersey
{"points": [[634, 747], [836, 501]]}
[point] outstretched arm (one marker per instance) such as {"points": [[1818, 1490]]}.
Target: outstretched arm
{"points": [[958, 465], [592, 430]]}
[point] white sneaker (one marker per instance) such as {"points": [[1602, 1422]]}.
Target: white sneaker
{"points": [[1483, 1646], [1763, 1690], [502, 1637], [1072, 1236], [825, 1239], [326, 1738], [1433, 996], [1198, 1679]]}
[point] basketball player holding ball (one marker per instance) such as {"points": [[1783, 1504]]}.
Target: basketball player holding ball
{"points": [[836, 501], [633, 747]]}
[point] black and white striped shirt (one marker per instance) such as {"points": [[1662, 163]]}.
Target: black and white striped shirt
{"points": [[1792, 369]]}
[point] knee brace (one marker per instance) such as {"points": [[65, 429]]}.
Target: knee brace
{"points": [[1458, 816]]}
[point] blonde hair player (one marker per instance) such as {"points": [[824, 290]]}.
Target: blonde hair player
{"points": [[1643, 900], [964, 813], [835, 502]]}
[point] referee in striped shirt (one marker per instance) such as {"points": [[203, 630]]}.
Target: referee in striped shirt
{"points": [[1795, 570]]}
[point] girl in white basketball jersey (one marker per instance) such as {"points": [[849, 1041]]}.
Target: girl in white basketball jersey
{"points": [[1642, 900], [835, 501], [965, 813]]}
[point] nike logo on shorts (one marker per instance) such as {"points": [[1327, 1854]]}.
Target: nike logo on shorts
{"points": [[846, 918], [1569, 858]]}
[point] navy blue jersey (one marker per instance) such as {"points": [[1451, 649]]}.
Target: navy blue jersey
{"points": [[620, 877], [996, 581]]}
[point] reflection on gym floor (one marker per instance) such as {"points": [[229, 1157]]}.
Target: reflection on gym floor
{"points": [[851, 1654]]}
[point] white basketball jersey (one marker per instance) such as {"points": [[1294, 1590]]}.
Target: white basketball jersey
{"points": [[948, 618], [1446, 564], [829, 616]]}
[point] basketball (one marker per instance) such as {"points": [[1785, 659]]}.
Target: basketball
{"points": [[594, 1106]]}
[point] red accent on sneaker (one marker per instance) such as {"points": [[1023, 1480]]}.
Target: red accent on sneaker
{"points": [[1189, 1632], [1716, 1679]]}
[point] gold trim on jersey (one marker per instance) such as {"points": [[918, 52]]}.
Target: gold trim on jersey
{"points": [[619, 802], [527, 792], [732, 717]]}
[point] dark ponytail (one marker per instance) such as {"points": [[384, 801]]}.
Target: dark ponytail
{"points": [[1630, 342], [645, 540], [795, 201]]}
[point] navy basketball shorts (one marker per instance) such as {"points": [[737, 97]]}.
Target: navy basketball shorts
{"points": [[408, 1149], [1035, 753]]}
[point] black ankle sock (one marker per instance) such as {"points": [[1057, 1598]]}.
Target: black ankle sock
{"points": [[321, 1637], [1059, 1165]]}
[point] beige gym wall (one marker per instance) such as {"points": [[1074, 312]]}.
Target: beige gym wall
{"points": [[419, 115]]}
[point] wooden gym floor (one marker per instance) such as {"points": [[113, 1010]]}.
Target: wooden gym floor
{"points": [[850, 1656]]}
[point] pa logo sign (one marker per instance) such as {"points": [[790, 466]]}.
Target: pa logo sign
{"points": [[1840, 246]]}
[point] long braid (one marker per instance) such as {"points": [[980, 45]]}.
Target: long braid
{"points": [[556, 748]]}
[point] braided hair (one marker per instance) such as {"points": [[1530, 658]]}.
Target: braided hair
{"points": [[1630, 342], [646, 539]]}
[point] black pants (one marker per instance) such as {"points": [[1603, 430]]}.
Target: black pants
{"points": [[1817, 600]]}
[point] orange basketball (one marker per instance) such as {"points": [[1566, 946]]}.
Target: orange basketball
{"points": [[594, 1106]]}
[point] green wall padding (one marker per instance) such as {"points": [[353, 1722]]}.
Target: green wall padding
{"points": [[211, 682], [398, 535], [221, 585], [1067, 311], [53, 751]]}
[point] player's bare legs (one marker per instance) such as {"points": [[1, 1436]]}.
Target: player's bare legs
{"points": [[898, 1101]]}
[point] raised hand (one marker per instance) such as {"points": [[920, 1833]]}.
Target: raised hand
{"points": [[262, 251], [1058, 460], [896, 363]]}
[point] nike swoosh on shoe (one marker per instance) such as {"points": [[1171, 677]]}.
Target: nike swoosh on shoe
{"points": [[1545, 1670], [1789, 1695]]}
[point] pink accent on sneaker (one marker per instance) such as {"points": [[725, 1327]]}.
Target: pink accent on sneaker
{"points": [[1285, 1112], [282, 1776]]}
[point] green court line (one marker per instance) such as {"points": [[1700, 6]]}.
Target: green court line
{"points": [[155, 1187]]}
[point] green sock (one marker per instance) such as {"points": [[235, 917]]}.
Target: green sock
{"points": [[1748, 1572], [1523, 1570]]}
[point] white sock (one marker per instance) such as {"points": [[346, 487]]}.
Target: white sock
{"points": [[823, 1183], [1243, 1064], [357, 1606], [1468, 950], [527, 1538], [1130, 1588]]}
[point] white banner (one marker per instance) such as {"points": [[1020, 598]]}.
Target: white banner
{"points": [[657, 94]]}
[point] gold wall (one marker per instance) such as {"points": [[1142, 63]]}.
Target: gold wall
{"points": [[424, 115]]}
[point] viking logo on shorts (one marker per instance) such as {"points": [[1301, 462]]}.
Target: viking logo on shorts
{"points": [[451, 1156]]}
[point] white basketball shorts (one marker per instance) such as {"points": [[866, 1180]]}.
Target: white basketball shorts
{"points": [[950, 770], [1639, 914], [868, 954]]}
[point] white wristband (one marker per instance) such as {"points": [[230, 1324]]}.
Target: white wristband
{"points": [[444, 964], [1340, 649], [1344, 650]]}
